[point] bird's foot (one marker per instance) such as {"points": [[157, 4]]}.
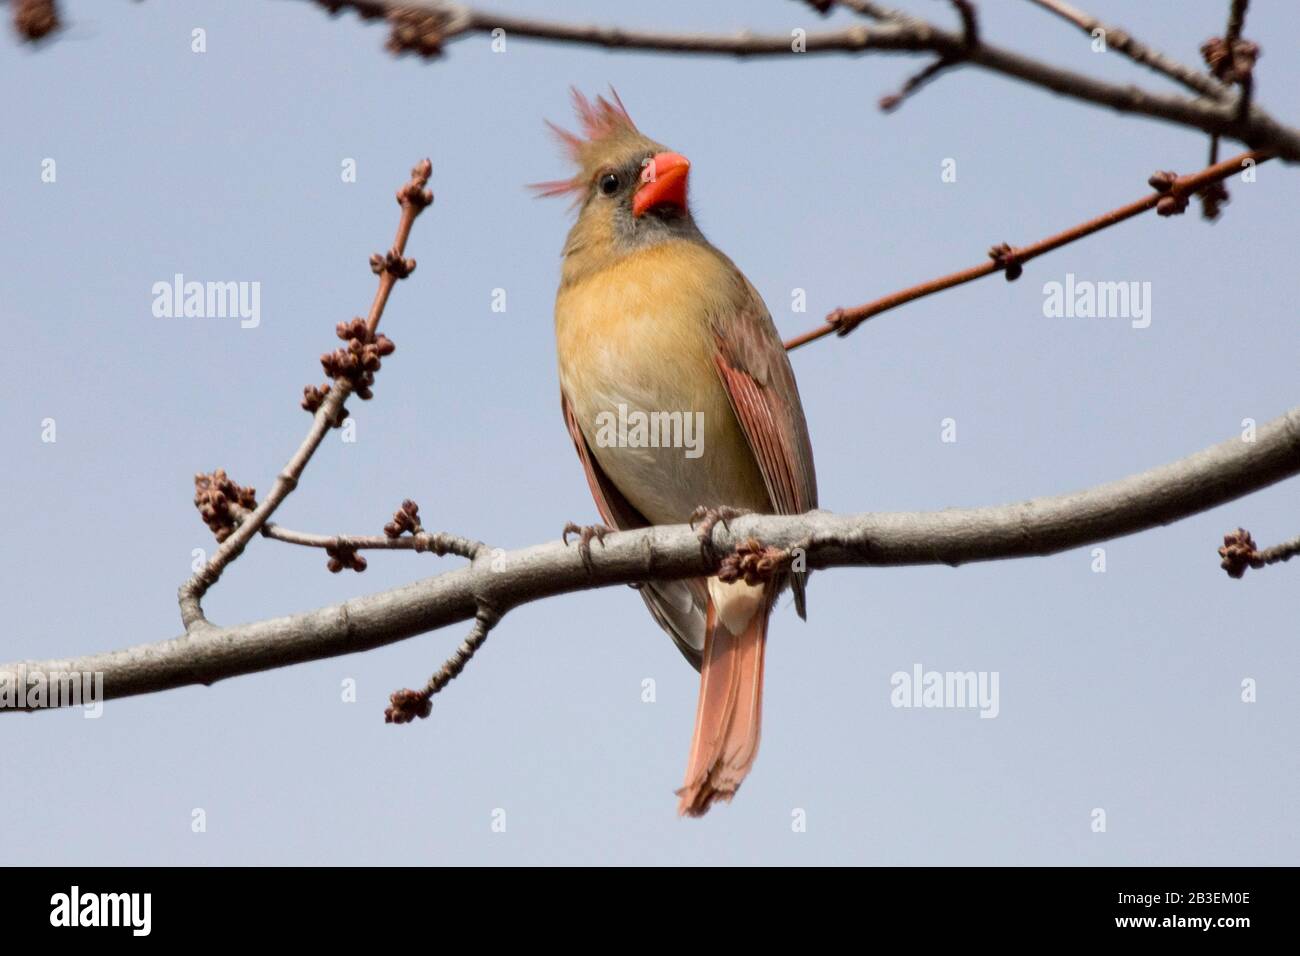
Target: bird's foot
{"points": [[755, 563], [704, 520], [585, 533]]}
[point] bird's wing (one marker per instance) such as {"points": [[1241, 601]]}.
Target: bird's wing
{"points": [[615, 510], [678, 606], [756, 374]]}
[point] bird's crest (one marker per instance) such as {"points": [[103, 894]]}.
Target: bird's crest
{"points": [[606, 127]]}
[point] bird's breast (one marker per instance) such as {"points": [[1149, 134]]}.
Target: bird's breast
{"points": [[636, 355]]}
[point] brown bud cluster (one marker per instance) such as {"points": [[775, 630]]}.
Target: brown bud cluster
{"points": [[753, 562], [1231, 63], [413, 193], [217, 497], [1005, 257], [358, 361], [1239, 553], [314, 395], [392, 263], [1173, 202], [417, 31], [1213, 197], [405, 518], [35, 19], [344, 556], [406, 705], [842, 322]]}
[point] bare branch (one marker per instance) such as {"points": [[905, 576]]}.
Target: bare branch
{"points": [[505, 580], [403, 533], [406, 705], [1121, 41], [970, 39], [1003, 258], [190, 594], [1236, 21], [413, 197], [424, 26], [917, 81], [1256, 129], [437, 542], [970, 27], [895, 32], [866, 8], [1232, 59]]}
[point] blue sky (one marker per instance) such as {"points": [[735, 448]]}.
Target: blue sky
{"points": [[1118, 690]]}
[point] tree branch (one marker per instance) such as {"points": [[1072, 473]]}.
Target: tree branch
{"points": [[437, 542], [1121, 41], [425, 26], [970, 39], [328, 409], [505, 580], [1003, 258]]}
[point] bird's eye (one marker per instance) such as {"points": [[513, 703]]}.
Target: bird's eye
{"points": [[608, 184]]}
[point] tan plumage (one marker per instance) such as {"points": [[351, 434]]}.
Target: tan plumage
{"points": [[652, 318]]}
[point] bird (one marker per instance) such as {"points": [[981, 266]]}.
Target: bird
{"points": [[652, 320]]}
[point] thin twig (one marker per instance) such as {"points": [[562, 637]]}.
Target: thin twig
{"points": [[438, 542], [970, 40], [192, 591], [1222, 57], [1213, 195], [1231, 37], [1236, 21], [1281, 552], [1005, 258], [914, 83], [970, 27], [403, 533], [412, 198], [1121, 41], [1231, 58], [406, 705], [874, 11]]}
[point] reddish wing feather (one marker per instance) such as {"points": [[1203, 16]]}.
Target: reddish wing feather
{"points": [[756, 373]]}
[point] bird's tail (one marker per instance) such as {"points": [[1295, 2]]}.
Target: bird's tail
{"points": [[728, 718]]}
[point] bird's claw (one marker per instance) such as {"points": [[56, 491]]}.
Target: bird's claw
{"points": [[585, 533], [704, 520]]}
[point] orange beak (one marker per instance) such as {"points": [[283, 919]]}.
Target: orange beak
{"points": [[663, 183]]}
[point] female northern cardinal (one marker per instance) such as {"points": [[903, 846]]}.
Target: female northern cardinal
{"points": [[658, 331]]}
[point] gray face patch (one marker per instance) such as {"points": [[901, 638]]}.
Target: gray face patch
{"points": [[655, 226]]}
